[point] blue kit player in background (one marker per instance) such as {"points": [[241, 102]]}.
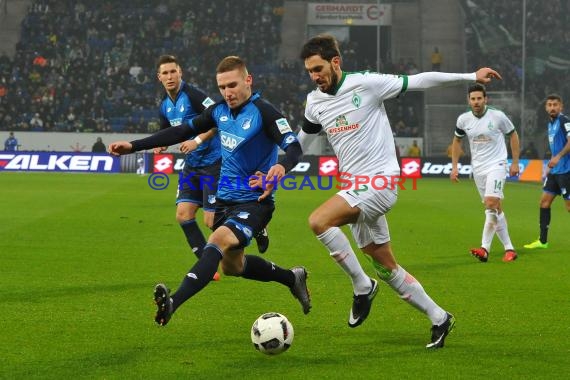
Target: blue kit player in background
{"points": [[11, 143], [180, 103], [251, 131], [558, 176]]}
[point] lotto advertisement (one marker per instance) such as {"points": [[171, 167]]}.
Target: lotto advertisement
{"points": [[169, 163]]}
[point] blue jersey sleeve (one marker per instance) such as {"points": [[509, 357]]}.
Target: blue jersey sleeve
{"points": [[198, 98], [205, 121], [275, 124]]}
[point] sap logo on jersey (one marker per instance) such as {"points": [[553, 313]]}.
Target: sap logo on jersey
{"points": [[59, 162], [229, 141]]}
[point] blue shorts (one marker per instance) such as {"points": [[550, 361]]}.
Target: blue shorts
{"points": [[245, 219], [199, 186], [558, 184]]}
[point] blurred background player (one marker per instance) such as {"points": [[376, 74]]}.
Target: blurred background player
{"points": [[180, 103], [11, 143], [140, 165], [485, 128], [558, 177]]}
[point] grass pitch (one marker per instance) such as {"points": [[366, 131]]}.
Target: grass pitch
{"points": [[80, 254]]}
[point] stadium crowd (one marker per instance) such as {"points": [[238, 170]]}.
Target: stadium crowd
{"points": [[90, 66], [494, 38]]}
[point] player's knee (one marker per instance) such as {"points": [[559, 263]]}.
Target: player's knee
{"points": [[183, 215], [231, 270], [492, 203], [223, 238], [232, 265], [317, 223]]}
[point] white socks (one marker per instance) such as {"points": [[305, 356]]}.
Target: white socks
{"points": [[495, 223], [411, 291], [489, 228], [341, 251], [503, 231]]}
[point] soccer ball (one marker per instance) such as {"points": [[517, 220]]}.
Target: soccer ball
{"points": [[272, 333]]}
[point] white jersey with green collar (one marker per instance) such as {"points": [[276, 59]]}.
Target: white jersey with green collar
{"points": [[356, 124], [486, 136]]}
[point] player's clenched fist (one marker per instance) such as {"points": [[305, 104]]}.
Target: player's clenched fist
{"points": [[118, 148]]}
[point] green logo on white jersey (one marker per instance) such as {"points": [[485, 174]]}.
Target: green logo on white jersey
{"points": [[341, 121], [356, 100]]}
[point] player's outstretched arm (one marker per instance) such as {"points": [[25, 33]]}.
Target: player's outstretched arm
{"points": [[423, 81], [119, 148], [486, 74]]}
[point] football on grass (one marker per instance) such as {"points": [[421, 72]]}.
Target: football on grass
{"points": [[272, 333]]}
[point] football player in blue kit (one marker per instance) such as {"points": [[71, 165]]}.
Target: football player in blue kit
{"points": [[180, 103], [558, 176], [251, 130]]}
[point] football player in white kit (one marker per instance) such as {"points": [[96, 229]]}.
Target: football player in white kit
{"points": [[349, 108], [486, 128]]}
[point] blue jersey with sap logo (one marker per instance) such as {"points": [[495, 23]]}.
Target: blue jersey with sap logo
{"points": [[250, 137], [190, 102], [558, 133]]}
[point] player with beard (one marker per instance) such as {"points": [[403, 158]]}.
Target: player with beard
{"points": [[558, 177], [486, 128], [349, 107]]}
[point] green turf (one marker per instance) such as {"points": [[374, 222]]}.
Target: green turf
{"points": [[80, 254]]}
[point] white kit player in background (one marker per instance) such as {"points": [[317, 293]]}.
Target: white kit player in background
{"points": [[349, 108], [486, 128], [140, 166]]}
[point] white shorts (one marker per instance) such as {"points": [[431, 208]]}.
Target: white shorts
{"points": [[491, 184], [371, 226]]}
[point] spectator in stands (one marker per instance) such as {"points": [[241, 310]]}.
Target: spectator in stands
{"points": [[36, 122], [135, 71], [99, 146], [530, 151], [414, 150], [436, 59], [11, 143]]}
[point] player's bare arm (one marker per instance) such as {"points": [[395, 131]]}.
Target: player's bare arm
{"points": [[554, 159], [160, 149], [515, 149], [455, 153], [191, 145], [273, 176]]}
